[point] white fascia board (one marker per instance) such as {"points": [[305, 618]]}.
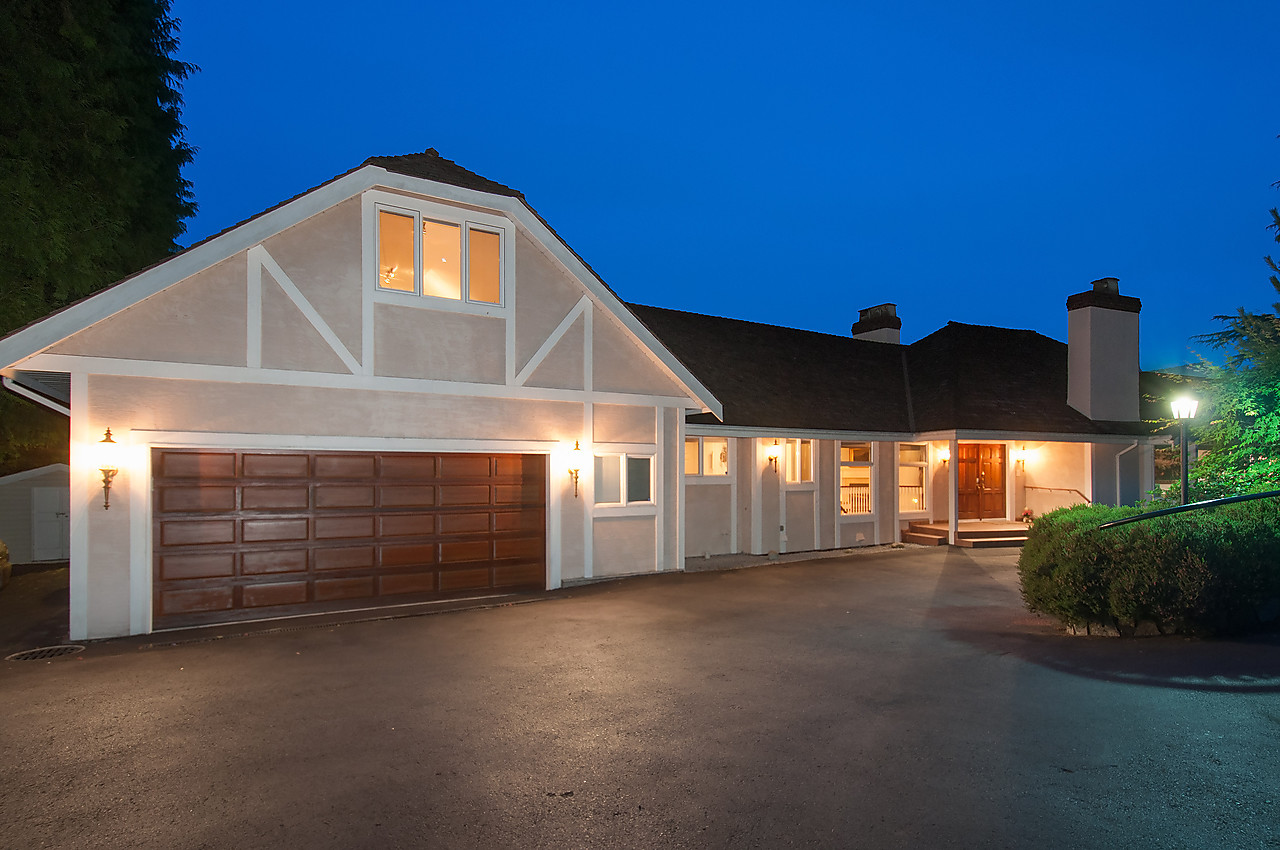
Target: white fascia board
{"points": [[705, 430], [78, 363], [32, 473], [1039, 437], [519, 212], [18, 389], [132, 290]]}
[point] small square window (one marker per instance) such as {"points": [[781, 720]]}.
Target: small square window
{"points": [[639, 479], [623, 479], [691, 456], [608, 479]]}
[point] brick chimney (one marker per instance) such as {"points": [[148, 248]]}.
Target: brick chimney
{"points": [[878, 324], [1102, 352]]}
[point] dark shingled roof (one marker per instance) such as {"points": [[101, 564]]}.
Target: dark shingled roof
{"points": [[965, 377], [430, 165]]}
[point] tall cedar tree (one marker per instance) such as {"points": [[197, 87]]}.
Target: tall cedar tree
{"points": [[91, 157], [1244, 435]]}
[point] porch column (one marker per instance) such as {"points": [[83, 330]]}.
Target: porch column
{"points": [[953, 490]]}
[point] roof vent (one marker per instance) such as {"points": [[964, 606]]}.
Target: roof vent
{"points": [[878, 324]]}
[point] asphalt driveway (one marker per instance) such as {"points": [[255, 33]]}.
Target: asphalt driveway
{"points": [[895, 699]]}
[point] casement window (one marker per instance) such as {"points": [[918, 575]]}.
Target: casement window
{"points": [[706, 456], [798, 459], [623, 479], [855, 479], [913, 465], [421, 254]]}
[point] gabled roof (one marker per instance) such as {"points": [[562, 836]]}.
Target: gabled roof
{"points": [[395, 172], [961, 377]]}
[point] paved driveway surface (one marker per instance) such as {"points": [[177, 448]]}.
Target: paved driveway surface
{"points": [[897, 699]]}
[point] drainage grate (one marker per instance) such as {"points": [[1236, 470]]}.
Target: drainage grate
{"points": [[44, 652]]}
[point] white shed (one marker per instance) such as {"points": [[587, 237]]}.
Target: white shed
{"points": [[34, 514]]}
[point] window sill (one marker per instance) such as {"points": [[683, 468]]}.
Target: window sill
{"points": [[444, 305]]}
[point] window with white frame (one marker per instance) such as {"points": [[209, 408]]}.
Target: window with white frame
{"points": [[913, 466], [798, 456], [424, 254], [855, 479], [706, 456], [623, 479]]}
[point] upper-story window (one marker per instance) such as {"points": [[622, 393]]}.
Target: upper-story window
{"points": [[422, 254]]}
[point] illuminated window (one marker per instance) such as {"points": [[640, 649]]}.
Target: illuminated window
{"points": [[855, 478], [619, 476], [706, 456], [458, 261], [799, 461], [913, 462]]}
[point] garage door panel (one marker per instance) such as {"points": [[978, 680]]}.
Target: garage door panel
{"points": [[345, 527], [407, 525], [418, 582], [197, 599], [259, 533], [269, 498], [197, 566], [453, 495], [194, 499], [406, 496], [346, 466], [474, 579], [282, 593], [417, 467], [344, 588], [465, 466], [266, 563], [197, 532], [458, 551], [345, 558], [344, 496], [188, 464], [276, 465], [400, 556], [275, 530]]}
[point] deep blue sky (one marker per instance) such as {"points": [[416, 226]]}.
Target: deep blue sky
{"points": [[791, 163]]}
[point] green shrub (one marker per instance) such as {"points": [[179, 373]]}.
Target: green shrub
{"points": [[1214, 571]]}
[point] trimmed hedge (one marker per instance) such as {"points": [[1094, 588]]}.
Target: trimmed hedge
{"points": [[1205, 572]]}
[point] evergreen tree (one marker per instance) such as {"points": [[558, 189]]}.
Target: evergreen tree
{"points": [[1244, 435], [91, 156]]}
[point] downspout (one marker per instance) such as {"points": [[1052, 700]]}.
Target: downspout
{"points": [[1118, 456]]}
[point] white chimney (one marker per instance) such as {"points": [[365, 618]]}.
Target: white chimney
{"points": [[1102, 352], [878, 324]]}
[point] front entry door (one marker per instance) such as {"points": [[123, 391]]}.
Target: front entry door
{"points": [[981, 485]]}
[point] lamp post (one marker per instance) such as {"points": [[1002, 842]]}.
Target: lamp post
{"points": [[1184, 408]]}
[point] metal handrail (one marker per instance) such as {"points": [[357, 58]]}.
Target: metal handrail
{"points": [[1061, 490], [1207, 503]]}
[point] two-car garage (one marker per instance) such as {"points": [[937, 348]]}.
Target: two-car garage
{"points": [[247, 534]]}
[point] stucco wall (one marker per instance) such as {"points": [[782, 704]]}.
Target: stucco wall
{"points": [[624, 545], [1066, 467]]}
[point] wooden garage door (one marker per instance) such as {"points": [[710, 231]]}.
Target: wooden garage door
{"points": [[241, 534]]}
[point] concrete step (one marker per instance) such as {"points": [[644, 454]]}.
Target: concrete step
{"points": [[923, 539], [977, 533], [989, 542]]}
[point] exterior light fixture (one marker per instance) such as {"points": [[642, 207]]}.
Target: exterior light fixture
{"points": [[1184, 408], [773, 453], [944, 454], [109, 466], [1019, 457], [575, 466]]}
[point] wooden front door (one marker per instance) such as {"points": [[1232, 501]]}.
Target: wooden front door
{"points": [[981, 486]]}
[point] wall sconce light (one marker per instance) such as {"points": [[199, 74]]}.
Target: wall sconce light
{"points": [[944, 454], [773, 453], [1019, 457], [107, 451], [575, 465]]}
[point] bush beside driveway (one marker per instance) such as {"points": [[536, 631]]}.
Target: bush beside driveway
{"points": [[902, 699]]}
